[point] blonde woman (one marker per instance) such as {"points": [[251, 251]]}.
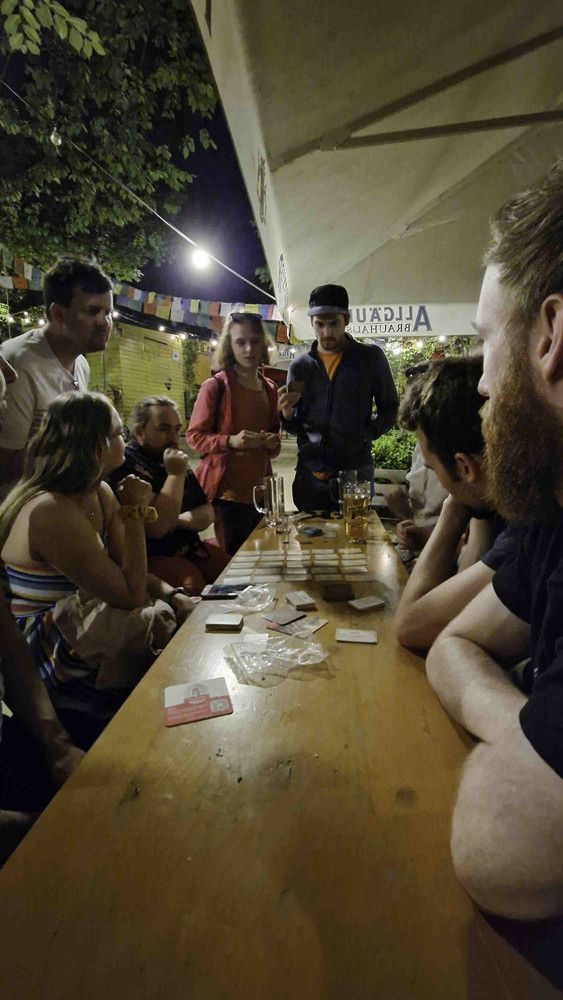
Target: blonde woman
{"points": [[62, 528], [235, 427]]}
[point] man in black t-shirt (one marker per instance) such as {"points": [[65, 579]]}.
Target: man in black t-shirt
{"points": [[507, 830], [442, 406], [175, 551]]}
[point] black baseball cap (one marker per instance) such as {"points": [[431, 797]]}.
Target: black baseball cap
{"points": [[328, 299]]}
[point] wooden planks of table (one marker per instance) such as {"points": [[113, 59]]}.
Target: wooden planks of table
{"points": [[297, 848]]}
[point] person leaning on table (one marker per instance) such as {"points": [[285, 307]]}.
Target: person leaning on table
{"points": [[235, 427], [507, 829], [442, 406]]}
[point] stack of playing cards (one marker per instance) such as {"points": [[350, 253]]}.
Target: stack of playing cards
{"points": [[224, 623], [300, 600]]}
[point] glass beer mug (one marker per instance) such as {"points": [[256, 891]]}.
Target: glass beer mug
{"points": [[269, 500], [355, 506]]}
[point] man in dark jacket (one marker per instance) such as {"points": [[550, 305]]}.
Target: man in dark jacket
{"points": [[328, 402]]}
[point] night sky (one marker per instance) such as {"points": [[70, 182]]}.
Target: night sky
{"points": [[217, 215]]}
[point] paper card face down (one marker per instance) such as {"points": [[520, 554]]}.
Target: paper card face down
{"points": [[283, 616], [356, 635], [367, 603], [193, 702]]}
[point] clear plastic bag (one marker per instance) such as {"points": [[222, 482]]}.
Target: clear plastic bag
{"points": [[256, 597], [265, 657]]}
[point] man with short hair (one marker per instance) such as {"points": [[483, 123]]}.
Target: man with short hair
{"points": [[175, 551], [50, 360], [507, 831], [36, 754], [328, 402], [442, 407]]}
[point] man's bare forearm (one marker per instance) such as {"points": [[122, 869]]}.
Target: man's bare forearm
{"points": [[168, 504], [473, 688], [436, 564], [197, 519]]}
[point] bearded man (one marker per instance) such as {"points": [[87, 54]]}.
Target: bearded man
{"points": [[507, 831]]}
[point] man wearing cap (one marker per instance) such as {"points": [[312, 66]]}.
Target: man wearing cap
{"points": [[328, 402]]}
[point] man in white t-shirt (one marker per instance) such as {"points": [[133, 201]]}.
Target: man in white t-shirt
{"points": [[50, 361]]}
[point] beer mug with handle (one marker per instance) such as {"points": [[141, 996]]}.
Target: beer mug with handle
{"points": [[269, 499]]}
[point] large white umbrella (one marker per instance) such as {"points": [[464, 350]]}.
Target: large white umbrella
{"points": [[330, 106]]}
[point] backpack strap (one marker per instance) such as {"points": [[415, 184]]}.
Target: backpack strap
{"points": [[218, 401]]}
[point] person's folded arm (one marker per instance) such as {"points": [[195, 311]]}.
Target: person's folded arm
{"points": [[433, 594], [465, 666], [482, 534], [197, 519], [60, 535], [168, 503]]}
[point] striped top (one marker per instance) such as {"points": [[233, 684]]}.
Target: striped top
{"points": [[29, 591], [31, 595]]}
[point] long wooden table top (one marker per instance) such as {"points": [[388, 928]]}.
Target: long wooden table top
{"points": [[297, 848]]}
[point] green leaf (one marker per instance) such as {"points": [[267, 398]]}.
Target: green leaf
{"points": [[33, 48], [61, 27], [44, 16], [16, 42], [97, 45], [12, 24], [79, 24], [7, 6], [87, 48], [75, 39], [32, 34], [30, 17]]}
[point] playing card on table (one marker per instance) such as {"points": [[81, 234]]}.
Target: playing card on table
{"points": [[356, 635], [301, 629], [193, 702]]}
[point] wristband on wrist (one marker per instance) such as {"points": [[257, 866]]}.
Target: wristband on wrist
{"points": [[176, 590], [147, 514]]}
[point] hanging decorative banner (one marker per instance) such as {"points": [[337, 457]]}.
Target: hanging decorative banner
{"points": [[178, 310]]}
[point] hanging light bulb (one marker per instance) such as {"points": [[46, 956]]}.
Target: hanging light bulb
{"points": [[55, 138], [213, 342], [419, 345], [115, 314], [40, 321], [161, 329]]}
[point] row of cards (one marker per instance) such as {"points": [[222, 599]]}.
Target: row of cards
{"points": [[272, 566]]}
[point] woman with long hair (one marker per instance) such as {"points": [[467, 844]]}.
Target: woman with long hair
{"points": [[61, 529], [235, 427]]}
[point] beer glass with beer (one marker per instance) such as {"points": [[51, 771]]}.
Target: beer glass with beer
{"points": [[356, 510]]}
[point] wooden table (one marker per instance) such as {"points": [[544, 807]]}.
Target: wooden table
{"points": [[295, 849]]}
